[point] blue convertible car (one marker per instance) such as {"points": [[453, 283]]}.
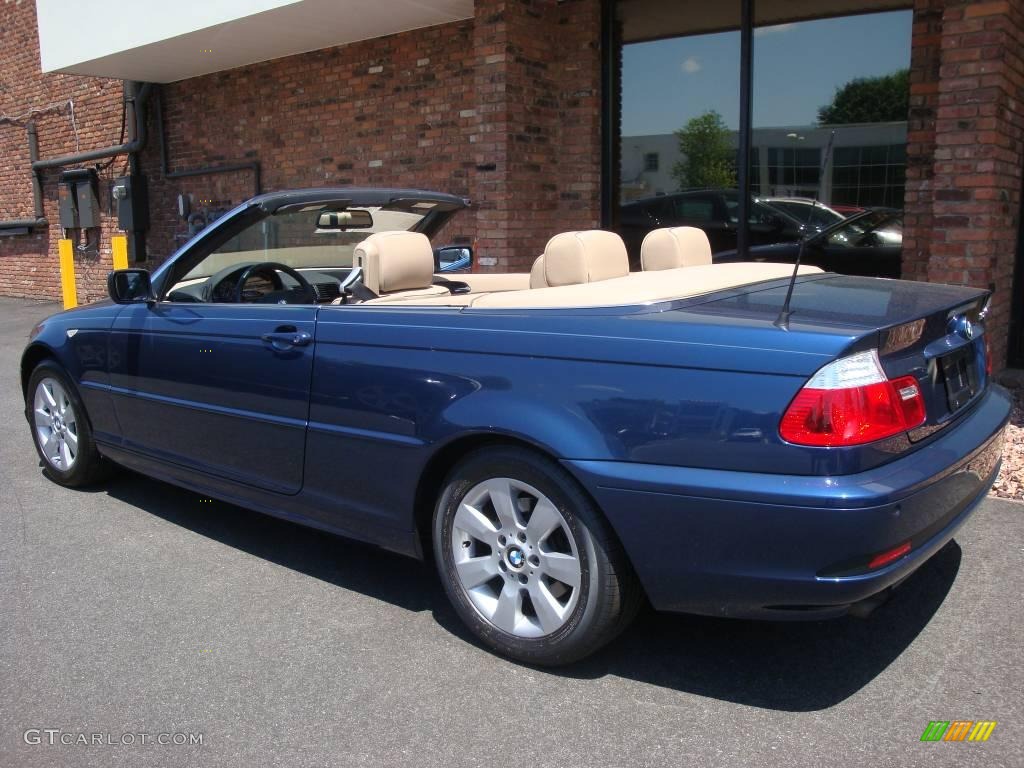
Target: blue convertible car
{"points": [[564, 444]]}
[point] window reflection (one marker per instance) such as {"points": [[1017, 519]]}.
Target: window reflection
{"points": [[839, 81]]}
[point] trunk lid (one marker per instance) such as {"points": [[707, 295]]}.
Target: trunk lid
{"points": [[931, 331]]}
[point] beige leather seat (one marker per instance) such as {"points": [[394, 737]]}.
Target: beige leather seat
{"points": [[588, 256], [398, 266], [671, 248], [537, 273]]}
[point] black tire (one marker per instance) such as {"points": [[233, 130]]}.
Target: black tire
{"points": [[89, 466], [609, 592]]}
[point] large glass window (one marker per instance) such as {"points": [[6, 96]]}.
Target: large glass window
{"points": [[680, 112], [828, 139], [794, 171], [869, 176]]}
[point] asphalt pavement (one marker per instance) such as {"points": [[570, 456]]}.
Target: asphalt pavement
{"points": [[137, 610]]}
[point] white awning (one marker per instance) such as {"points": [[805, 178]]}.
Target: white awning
{"points": [[162, 41]]}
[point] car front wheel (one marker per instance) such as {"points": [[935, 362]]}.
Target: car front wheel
{"points": [[529, 563], [60, 428]]}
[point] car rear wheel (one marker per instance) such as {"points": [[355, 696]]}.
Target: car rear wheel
{"points": [[60, 428], [527, 560]]}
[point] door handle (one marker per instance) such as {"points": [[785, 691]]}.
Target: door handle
{"points": [[286, 338]]}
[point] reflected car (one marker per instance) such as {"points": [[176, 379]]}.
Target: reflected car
{"points": [[811, 212], [847, 210], [562, 455], [712, 210], [869, 243]]}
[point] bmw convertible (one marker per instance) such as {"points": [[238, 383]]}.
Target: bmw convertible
{"points": [[740, 440]]}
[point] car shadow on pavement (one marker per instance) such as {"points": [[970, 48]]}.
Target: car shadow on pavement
{"points": [[791, 666], [794, 666]]}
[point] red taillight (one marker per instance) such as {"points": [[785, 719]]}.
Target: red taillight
{"points": [[850, 402], [988, 356], [889, 555]]}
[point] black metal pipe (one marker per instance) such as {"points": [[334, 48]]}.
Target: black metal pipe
{"points": [[209, 170], [136, 101], [37, 187], [611, 107], [746, 101], [37, 183], [1015, 339]]}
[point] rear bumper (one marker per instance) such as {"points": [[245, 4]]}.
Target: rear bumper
{"points": [[784, 546]]}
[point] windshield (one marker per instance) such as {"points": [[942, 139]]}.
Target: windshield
{"points": [[302, 239], [820, 216], [759, 212]]}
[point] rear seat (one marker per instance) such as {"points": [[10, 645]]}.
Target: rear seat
{"points": [[586, 256], [582, 268], [537, 273], [674, 247]]}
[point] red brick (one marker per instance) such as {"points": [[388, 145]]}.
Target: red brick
{"points": [[964, 159], [974, 10]]}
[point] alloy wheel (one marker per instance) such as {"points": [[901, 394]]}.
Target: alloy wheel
{"points": [[515, 556], [56, 424]]}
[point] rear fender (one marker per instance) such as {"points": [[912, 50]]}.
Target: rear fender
{"points": [[554, 430]]}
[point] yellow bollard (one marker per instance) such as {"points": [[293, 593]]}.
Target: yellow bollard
{"points": [[67, 273], [119, 245]]}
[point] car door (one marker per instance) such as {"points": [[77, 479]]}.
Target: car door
{"points": [[866, 261], [217, 386]]}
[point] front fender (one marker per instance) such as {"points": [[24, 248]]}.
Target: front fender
{"points": [[78, 341]]}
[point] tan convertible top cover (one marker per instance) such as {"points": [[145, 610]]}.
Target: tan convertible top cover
{"points": [[639, 287]]}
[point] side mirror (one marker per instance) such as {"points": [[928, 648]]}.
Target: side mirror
{"points": [[130, 286], [453, 258]]}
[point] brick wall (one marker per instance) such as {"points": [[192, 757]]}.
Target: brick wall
{"points": [[537, 148], [925, 61], [28, 264], [394, 111], [502, 108], [966, 148]]}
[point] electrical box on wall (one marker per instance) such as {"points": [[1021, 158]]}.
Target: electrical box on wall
{"points": [[130, 192], [67, 206], [78, 199]]}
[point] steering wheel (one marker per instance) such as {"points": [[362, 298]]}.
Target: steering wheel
{"points": [[308, 294]]}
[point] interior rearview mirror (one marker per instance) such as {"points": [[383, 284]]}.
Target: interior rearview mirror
{"points": [[453, 258], [130, 286], [339, 221]]}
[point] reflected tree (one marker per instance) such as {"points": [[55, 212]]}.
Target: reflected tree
{"points": [[869, 100], [708, 158]]}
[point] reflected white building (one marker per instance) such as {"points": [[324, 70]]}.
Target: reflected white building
{"points": [[867, 166]]}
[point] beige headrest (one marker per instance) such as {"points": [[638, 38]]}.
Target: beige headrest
{"points": [[673, 248], [537, 273], [395, 261], [584, 257]]}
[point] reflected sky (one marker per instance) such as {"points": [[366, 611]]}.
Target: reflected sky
{"points": [[797, 68]]}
